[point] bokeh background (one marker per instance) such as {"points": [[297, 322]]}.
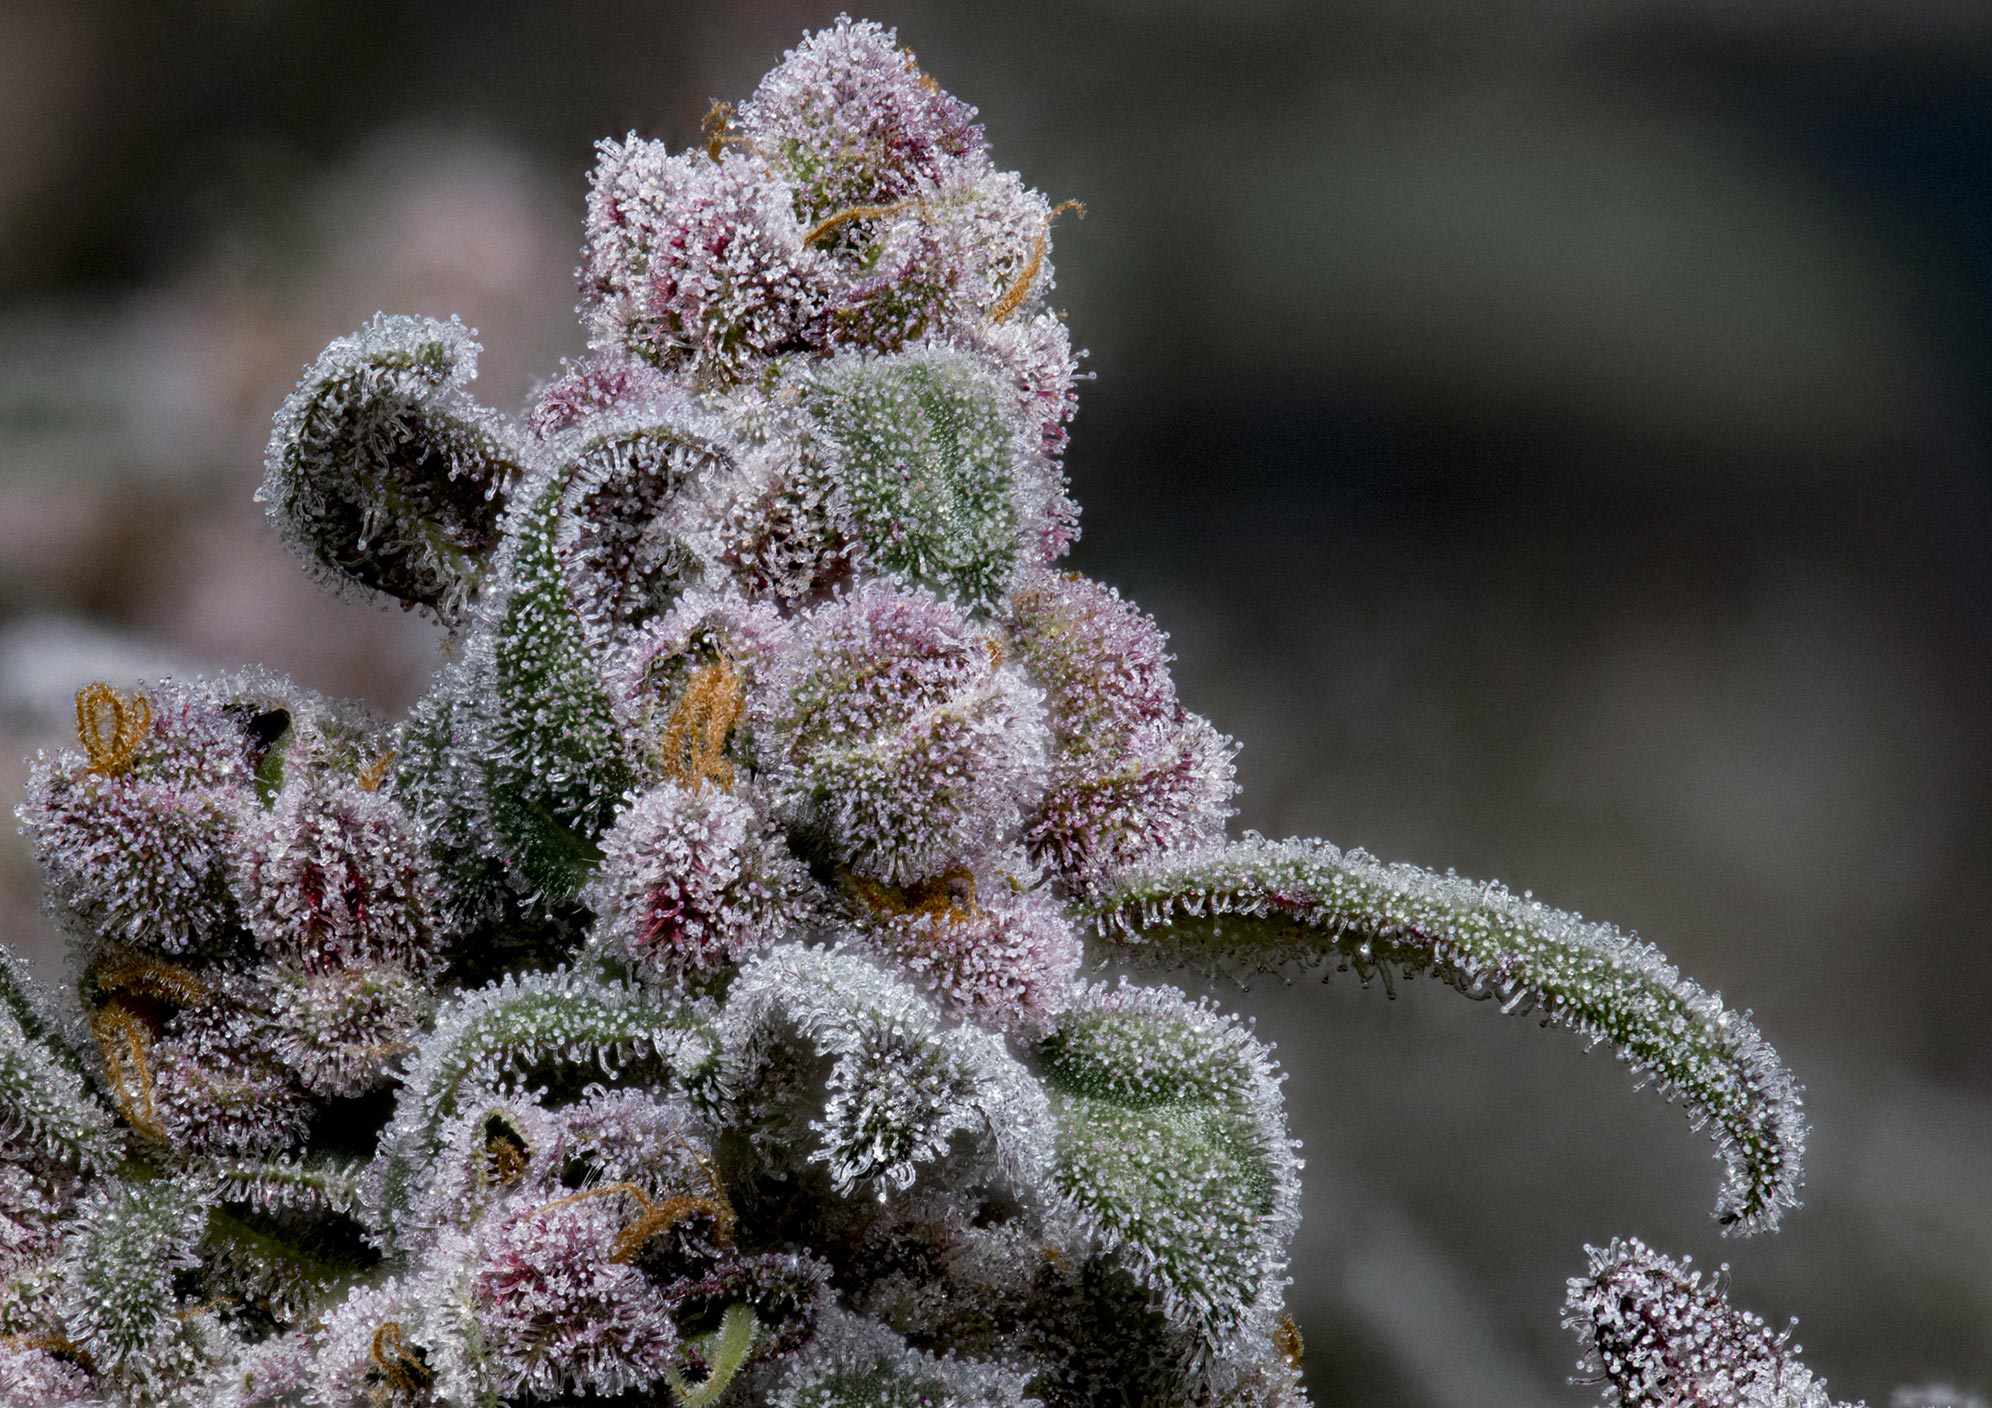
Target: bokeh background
{"points": [[1555, 434]]}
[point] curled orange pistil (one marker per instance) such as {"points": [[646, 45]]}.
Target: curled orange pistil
{"points": [[111, 727], [1014, 296], [694, 744], [126, 1042]]}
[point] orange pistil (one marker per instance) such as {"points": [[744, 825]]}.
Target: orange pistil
{"points": [[717, 129], [125, 1041], [375, 772], [1286, 1339], [509, 1159], [402, 1371], [695, 735], [1014, 296], [111, 727], [950, 897], [857, 212], [664, 1216], [658, 1217], [59, 1345], [143, 975]]}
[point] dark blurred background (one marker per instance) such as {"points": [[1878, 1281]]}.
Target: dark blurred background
{"points": [[1554, 433]]}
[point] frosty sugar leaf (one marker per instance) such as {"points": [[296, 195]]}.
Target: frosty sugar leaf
{"points": [[859, 1363], [441, 779], [1267, 904], [119, 1299], [928, 454], [269, 1268], [1172, 1150], [684, 1003], [900, 1089], [34, 1014], [557, 762], [629, 541], [383, 474], [315, 1183], [538, 1027], [47, 1112]]}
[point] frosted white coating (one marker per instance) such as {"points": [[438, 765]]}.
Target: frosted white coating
{"points": [[689, 1000]]}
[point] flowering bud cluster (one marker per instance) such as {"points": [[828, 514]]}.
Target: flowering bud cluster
{"points": [[1657, 1332], [683, 1003]]}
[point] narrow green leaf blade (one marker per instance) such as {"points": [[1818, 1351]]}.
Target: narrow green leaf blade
{"points": [[1269, 904]]}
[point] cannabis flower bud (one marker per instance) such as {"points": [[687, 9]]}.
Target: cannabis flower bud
{"points": [[1658, 1333], [686, 1002]]}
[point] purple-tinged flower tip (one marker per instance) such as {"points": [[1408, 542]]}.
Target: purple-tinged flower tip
{"points": [[136, 859], [899, 736], [343, 1031], [36, 1374], [783, 529], [988, 951], [1167, 790], [694, 265], [213, 1091], [335, 876], [849, 118], [29, 1206], [1134, 776], [592, 387], [1659, 1335], [1103, 662], [558, 1312], [1036, 353], [649, 680], [693, 882]]}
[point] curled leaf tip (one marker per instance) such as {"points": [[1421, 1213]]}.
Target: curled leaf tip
{"points": [[1267, 904]]}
